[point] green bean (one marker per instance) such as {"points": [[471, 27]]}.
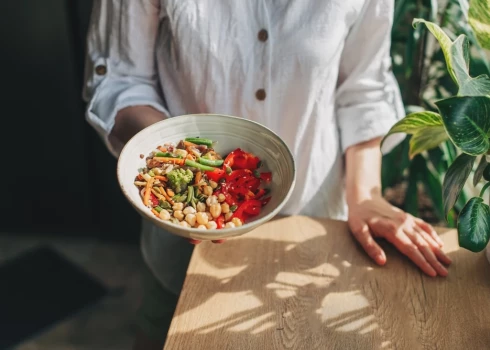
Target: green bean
{"points": [[210, 162], [166, 154], [193, 164], [190, 194], [200, 141]]}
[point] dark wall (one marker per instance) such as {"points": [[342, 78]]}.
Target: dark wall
{"points": [[56, 176]]}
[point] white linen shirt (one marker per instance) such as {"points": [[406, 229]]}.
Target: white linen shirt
{"points": [[318, 73]]}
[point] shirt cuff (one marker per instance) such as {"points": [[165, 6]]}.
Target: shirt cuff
{"points": [[366, 121], [114, 94], [362, 123]]}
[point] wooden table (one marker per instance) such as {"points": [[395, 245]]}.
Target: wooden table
{"points": [[301, 283]]}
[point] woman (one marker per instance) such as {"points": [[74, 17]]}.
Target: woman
{"points": [[316, 72]]}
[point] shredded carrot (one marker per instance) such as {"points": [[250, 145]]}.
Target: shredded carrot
{"points": [[167, 197], [146, 197], [140, 177], [162, 149], [170, 192], [189, 144], [177, 161], [161, 178], [190, 156], [198, 177], [155, 212], [157, 193]]}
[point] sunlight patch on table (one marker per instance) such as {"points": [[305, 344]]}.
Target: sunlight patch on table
{"points": [[356, 315], [208, 318]]}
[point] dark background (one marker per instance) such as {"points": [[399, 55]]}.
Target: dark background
{"points": [[57, 176]]}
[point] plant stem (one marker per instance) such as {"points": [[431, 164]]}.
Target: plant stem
{"points": [[484, 189]]}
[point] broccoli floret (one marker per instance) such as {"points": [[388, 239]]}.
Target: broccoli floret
{"points": [[179, 178]]}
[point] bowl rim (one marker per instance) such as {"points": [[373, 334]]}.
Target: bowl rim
{"points": [[225, 232]]}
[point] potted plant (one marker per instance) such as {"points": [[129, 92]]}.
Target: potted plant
{"points": [[464, 120]]}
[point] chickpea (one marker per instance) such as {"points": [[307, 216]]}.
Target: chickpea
{"points": [[184, 224], [210, 217], [212, 225], [207, 190], [202, 218], [178, 206], [237, 222], [189, 210], [215, 210], [201, 207], [229, 225], [211, 200], [228, 216], [164, 215], [179, 215], [225, 208], [191, 219], [213, 184], [221, 198], [202, 227]]}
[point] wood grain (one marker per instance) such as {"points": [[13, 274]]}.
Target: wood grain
{"points": [[302, 283]]}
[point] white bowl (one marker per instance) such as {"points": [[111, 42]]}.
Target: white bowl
{"points": [[229, 133]]}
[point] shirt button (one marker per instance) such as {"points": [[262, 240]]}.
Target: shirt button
{"points": [[101, 70], [260, 94], [263, 35]]}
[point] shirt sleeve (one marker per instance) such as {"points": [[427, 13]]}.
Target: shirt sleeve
{"points": [[120, 64], [368, 100]]}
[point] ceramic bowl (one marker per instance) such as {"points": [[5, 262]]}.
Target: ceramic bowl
{"points": [[229, 133]]}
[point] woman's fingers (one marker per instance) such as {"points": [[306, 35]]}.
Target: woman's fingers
{"points": [[364, 237], [439, 254], [429, 229], [395, 235], [426, 250]]}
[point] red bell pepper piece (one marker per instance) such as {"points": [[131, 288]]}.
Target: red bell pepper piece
{"points": [[239, 159], [265, 201], [154, 200], [216, 174], [220, 221], [266, 177], [250, 207]]}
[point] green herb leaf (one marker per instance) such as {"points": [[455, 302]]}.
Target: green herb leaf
{"points": [[426, 128], [474, 225], [457, 59], [455, 179], [479, 18], [467, 122], [479, 171]]}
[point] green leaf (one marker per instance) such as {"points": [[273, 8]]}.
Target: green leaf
{"points": [[467, 122], [479, 171], [474, 225], [426, 127], [455, 179], [479, 18], [457, 59]]}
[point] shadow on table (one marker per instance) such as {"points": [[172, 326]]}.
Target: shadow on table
{"points": [[305, 287]]}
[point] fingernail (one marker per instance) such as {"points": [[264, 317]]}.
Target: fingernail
{"points": [[194, 241], [380, 259], [219, 241]]}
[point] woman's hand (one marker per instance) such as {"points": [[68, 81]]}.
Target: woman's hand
{"points": [[376, 218], [371, 216]]}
